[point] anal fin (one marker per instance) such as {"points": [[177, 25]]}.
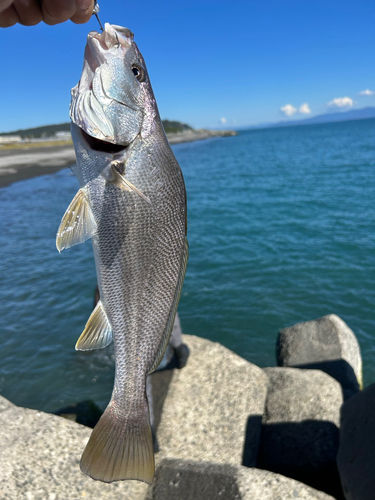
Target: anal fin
{"points": [[98, 331], [78, 223]]}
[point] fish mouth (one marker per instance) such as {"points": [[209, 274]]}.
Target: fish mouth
{"points": [[112, 36], [98, 44], [102, 146]]}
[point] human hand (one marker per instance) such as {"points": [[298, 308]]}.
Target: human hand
{"points": [[30, 12]]}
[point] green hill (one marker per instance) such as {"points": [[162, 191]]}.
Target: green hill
{"points": [[50, 130], [38, 132], [171, 127]]}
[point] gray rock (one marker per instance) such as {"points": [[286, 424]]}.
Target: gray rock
{"points": [[40, 456], [5, 404], [300, 432], [188, 480], [356, 457], [327, 344], [211, 405], [256, 484]]}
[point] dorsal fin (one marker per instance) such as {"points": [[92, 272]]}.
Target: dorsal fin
{"points": [[78, 223], [98, 331], [172, 314]]}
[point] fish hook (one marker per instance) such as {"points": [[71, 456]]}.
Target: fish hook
{"points": [[96, 12]]}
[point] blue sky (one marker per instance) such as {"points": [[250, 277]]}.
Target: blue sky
{"points": [[211, 63]]}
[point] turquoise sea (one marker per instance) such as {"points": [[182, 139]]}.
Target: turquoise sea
{"points": [[281, 230]]}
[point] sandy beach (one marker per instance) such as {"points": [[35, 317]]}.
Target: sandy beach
{"points": [[19, 164], [24, 162]]}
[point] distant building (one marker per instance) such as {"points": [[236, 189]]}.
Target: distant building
{"points": [[63, 135], [4, 139]]}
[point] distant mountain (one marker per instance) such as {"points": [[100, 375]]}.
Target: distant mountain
{"points": [[353, 114], [50, 130]]}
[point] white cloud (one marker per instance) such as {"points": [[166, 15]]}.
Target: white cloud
{"points": [[223, 120], [367, 92], [288, 110], [304, 109], [341, 102]]}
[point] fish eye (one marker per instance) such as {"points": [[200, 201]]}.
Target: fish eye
{"points": [[139, 72]]}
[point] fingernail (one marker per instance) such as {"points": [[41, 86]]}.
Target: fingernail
{"points": [[84, 4]]}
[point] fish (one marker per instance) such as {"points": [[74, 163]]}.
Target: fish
{"points": [[132, 204]]}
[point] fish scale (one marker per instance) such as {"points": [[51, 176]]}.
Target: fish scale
{"points": [[132, 203]]}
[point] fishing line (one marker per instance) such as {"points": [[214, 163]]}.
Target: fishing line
{"points": [[96, 12]]}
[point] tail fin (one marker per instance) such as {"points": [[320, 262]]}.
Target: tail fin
{"points": [[119, 449]]}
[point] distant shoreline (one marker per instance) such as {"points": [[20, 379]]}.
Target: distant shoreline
{"points": [[198, 135], [24, 162]]}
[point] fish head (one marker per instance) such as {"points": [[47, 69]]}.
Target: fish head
{"points": [[110, 101]]}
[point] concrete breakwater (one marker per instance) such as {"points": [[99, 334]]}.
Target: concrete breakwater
{"points": [[225, 428]]}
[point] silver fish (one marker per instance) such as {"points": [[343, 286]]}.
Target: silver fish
{"points": [[132, 203]]}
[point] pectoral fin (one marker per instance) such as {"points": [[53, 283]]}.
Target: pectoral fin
{"points": [[122, 183], [98, 331], [78, 223]]}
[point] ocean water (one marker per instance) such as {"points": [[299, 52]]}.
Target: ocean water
{"points": [[281, 230]]}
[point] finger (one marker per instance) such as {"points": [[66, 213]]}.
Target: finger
{"points": [[83, 12], [4, 4], [8, 17], [28, 11], [57, 11]]}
